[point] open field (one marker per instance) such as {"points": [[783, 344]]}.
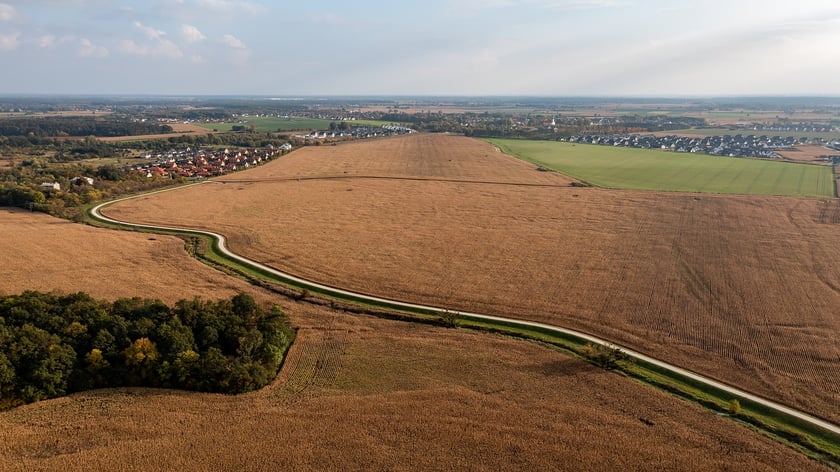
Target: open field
{"points": [[729, 117], [645, 169], [359, 393], [355, 392], [178, 129], [808, 154], [39, 252], [271, 124], [730, 131], [739, 288]]}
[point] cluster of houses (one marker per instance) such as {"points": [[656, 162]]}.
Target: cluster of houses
{"points": [[358, 132], [732, 146], [796, 128], [191, 163]]}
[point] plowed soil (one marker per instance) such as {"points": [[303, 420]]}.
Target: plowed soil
{"points": [[743, 289]]}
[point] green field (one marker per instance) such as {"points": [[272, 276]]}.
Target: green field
{"points": [[643, 169]]}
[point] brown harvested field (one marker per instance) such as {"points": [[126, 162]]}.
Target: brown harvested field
{"points": [[743, 289], [355, 392], [39, 252], [806, 153], [358, 393], [422, 156]]}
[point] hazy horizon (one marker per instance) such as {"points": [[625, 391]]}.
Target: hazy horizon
{"points": [[456, 48]]}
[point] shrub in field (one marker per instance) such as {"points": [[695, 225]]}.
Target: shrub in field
{"points": [[51, 345], [734, 407], [603, 356], [450, 319]]}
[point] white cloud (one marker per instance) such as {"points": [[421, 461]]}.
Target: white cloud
{"points": [[149, 31], [9, 42], [89, 49], [239, 52], [7, 12], [162, 48], [233, 42], [158, 46], [198, 59], [191, 34], [229, 5], [46, 41]]}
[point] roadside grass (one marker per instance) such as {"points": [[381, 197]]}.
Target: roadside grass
{"points": [[645, 169], [813, 441]]}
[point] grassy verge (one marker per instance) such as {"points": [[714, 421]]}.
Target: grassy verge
{"points": [[811, 440]]}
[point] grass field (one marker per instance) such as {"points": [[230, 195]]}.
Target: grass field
{"points": [[643, 169]]}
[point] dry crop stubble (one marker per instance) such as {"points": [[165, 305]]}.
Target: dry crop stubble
{"points": [[739, 288], [39, 252], [400, 396], [364, 393]]}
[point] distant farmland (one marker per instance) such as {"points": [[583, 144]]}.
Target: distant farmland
{"points": [[270, 124], [642, 169], [292, 123]]}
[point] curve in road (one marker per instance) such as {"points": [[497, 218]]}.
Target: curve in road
{"points": [[221, 241]]}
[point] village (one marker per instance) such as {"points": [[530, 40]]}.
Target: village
{"points": [[731, 146], [202, 163], [358, 132]]}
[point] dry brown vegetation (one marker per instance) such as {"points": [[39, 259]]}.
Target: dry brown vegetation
{"points": [[360, 393], [743, 289], [356, 392], [805, 153], [39, 252]]}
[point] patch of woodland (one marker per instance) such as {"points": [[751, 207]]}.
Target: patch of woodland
{"points": [[54, 344]]}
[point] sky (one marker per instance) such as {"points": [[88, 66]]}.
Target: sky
{"points": [[429, 47]]}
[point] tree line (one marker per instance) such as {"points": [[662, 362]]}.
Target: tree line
{"points": [[78, 126], [52, 345]]}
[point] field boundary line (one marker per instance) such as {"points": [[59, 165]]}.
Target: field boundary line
{"points": [[220, 244], [385, 177]]}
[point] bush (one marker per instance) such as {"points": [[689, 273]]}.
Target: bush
{"points": [[603, 356], [450, 319]]}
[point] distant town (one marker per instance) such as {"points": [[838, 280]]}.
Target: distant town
{"points": [[726, 145]]}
